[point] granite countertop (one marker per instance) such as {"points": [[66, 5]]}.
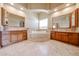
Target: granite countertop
{"points": [[71, 31], [14, 29]]}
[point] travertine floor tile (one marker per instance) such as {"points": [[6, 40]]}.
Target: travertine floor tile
{"points": [[47, 48]]}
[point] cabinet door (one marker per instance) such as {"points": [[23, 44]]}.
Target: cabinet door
{"points": [[73, 38], [65, 37], [13, 37], [5, 42], [58, 36], [5, 38], [24, 35], [52, 35], [20, 36]]}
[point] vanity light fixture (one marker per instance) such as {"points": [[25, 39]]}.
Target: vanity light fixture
{"points": [[67, 4], [20, 11], [21, 8]]}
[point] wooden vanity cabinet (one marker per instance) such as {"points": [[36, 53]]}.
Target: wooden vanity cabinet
{"points": [[16, 36], [52, 35], [5, 38], [24, 35], [74, 38], [58, 36], [64, 37], [68, 37], [10, 37], [13, 36]]}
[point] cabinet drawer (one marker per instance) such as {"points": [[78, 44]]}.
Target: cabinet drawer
{"points": [[73, 39], [20, 37], [58, 36], [5, 32], [53, 35], [64, 37], [5, 37], [5, 42], [14, 38]]}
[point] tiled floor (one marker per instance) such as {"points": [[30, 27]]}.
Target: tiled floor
{"points": [[40, 45], [47, 48]]}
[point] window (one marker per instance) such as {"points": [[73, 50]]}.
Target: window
{"points": [[43, 24]]}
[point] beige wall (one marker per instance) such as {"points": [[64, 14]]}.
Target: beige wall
{"points": [[49, 21]]}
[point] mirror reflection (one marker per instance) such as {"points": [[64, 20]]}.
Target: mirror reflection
{"points": [[15, 20], [61, 21]]}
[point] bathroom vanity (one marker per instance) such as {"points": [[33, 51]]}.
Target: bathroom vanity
{"points": [[67, 29], [11, 36], [71, 37], [12, 27]]}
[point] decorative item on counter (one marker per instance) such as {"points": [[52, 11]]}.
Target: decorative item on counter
{"points": [[55, 26], [5, 27], [6, 22]]}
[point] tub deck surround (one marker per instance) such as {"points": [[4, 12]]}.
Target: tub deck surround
{"points": [[10, 36], [71, 37]]}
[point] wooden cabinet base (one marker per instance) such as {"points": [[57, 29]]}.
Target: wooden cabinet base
{"points": [[10, 37], [73, 39], [68, 37]]}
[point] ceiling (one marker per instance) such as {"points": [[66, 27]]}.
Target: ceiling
{"points": [[39, 7], [45, 6]]}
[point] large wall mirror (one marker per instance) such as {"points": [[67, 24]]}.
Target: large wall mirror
{"points": [[15, 20], [73, 20], [61, 21]]}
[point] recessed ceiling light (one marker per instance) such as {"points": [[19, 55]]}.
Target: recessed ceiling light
{"points": [[20, 11], [12, 3], [21, 8], [55, 9], [67, 4]]}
